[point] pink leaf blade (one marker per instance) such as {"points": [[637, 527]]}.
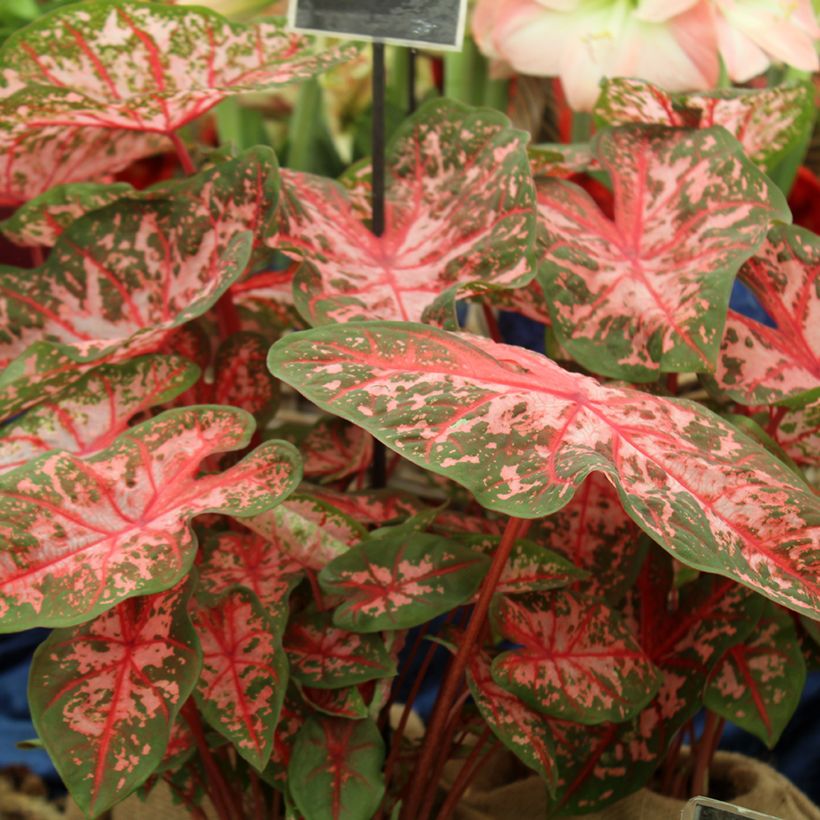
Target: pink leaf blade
{"points": [[334, 450], [241, 378]]}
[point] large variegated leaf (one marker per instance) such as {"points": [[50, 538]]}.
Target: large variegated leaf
{"points": [[335, 772], [39, 222], [327, 657], [766, 121], [89, 415], [245, 559], [104, 695], [799, 434], [595, 532], [523, 434], [309, 532], [459, 218], [334, 450], [524, 731], [760, 364], [370, 506], [121, 279], [149, 67], [244, 673], [575, 658], [401, 580], [82, 534], [240, 376], [758, 683], [648, 292]]}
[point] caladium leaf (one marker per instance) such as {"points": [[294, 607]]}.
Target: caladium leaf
{"points": [[244, 673], [291, 719], [177, 251], [342, 703], [245, 559], [265, 302], [434, 245], [149, 67], [524, 731], [309, 532], [760, 364], [104, 695], [370, 506], [83, 534], [90, 414], [648, 292], [401, 580], [240, 376], [335, 772], [595, 532], [522, 434], [576, 658], [758, 683], [562, 161], [39, 222], [326, 657], [799, 434], [334, 449], [766, 121]]}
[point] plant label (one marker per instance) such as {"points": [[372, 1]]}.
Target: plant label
{"points": [[705, 808], [435, 24]]}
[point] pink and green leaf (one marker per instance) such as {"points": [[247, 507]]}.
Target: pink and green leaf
{"points": [[760, 364], [576, 658], [334, 449], [370, 506], [758, 683], [291, 719], [81, 535], [459, 220], [104, 695], [244, 673], [241, 378], [327, 657], [524, 731], [561, 161], [89, 415], [40, 222], [345, 703], [522, 434], [766, 121], [799, 434], [149, 67], [401, 580], [647, 292], [335, 772]]}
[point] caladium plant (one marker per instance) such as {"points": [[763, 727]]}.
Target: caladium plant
{"points": [[601, 559]]}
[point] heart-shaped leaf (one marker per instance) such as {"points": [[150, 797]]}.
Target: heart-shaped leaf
{"points": [[760, 364], [326, 657], [82, 534], [343, 703], [401, 581], [245, 559], [522, 434], [521, 729], [310, 533], [40, 222], [766, 121], [240, 376], [459, 218], [104, 695], [648, 292], [291, 719], [758, 683], [244, 673], [370, 506], [576, 658], [149, 67], [335, 772], [90, 414], [334, 450]]}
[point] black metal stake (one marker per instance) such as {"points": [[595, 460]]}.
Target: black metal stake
{"points": [[379, 469], [411, 81]]}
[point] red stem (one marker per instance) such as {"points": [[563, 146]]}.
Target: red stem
{"points": [[37, 256], [712, 730], [492, 322], [182, 153], [449, 690], [260, 808], [228, 315], [218, 789], [316, 589], [775, 417], [468, 771], [672, 383]]}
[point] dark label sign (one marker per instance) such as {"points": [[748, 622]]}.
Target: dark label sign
{"points": [[433, 23], [705, 808]]}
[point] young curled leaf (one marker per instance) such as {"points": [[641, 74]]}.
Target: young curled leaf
{"points": [[647, 292], [401, 581], [576, 658], [459, 219], [80, 535], [90, 414], [104, 695], [244, 673], [523, 434]]}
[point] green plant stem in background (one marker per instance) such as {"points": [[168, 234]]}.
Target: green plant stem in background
{"points": [[305, 126], [465, 74]]}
